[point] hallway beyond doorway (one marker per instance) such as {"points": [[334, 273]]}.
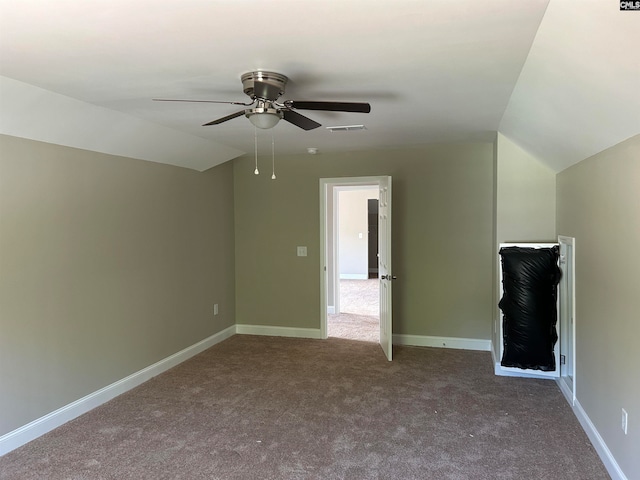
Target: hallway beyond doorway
{"points": [[359, 317]]}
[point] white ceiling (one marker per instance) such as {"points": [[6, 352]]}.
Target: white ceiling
{"points": [[559, 77]]}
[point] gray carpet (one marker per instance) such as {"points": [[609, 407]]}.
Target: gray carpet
{"points": [[284, 408]]}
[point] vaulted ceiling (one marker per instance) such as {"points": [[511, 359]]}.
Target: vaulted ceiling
{"points": [[560, 77]]}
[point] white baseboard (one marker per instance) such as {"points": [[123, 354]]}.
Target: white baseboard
{"points": [[598, 443], [410, 340], [278, 331], [443, 342], [354, 276], [16, 438]]}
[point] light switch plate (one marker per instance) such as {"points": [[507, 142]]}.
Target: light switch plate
{"points": [[302, 251]]}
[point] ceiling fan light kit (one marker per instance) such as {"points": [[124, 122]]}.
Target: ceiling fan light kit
{"points": [[263, 117]]}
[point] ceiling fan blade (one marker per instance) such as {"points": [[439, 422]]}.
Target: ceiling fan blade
{"points": [[224, 119], [198, 101], [300, 120], [330, 106]]}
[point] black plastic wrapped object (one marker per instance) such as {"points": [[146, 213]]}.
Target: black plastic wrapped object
{"points": [[530, 279]]}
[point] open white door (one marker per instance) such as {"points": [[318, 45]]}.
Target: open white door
{"points": [[384, 267]]}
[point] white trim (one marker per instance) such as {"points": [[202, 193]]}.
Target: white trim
{"points": [[598, 443], [354, 276], [519, 372], [570, 241], [278, 331], [335, 238], [566, 391], [20, 436], [323, 261], [325, 184], [493, 353], [443, 342], [373, 187], [331, 309]]}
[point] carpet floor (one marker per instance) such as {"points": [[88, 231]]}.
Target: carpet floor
{"points": [[359, 317], [285, 408]]}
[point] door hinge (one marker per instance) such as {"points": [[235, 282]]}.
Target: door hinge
{"points": [[563, 360]]}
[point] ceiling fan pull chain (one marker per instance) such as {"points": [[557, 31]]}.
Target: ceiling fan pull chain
{"points": [[255, 141], [273, 157]]}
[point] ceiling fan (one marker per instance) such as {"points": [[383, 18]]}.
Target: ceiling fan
{"points": [[264, 88]]}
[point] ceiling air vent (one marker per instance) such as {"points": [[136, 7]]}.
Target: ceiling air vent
{"points": [[347, 128]]}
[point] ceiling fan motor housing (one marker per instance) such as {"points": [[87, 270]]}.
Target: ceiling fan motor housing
{"points": [[264, 85]]}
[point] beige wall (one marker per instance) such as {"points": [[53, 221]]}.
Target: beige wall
{"points": [[599, 205], [525, 205], [107, 265], [442, 237], [526, 196]]}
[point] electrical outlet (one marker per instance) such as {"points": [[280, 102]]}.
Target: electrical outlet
{"points": [[215, 308], [625, 419]]}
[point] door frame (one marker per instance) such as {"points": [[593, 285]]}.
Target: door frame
{"points": [[327, 187], [569, 387]]}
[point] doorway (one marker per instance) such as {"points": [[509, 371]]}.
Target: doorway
{"points": [[356, 311], [346, 267]]}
